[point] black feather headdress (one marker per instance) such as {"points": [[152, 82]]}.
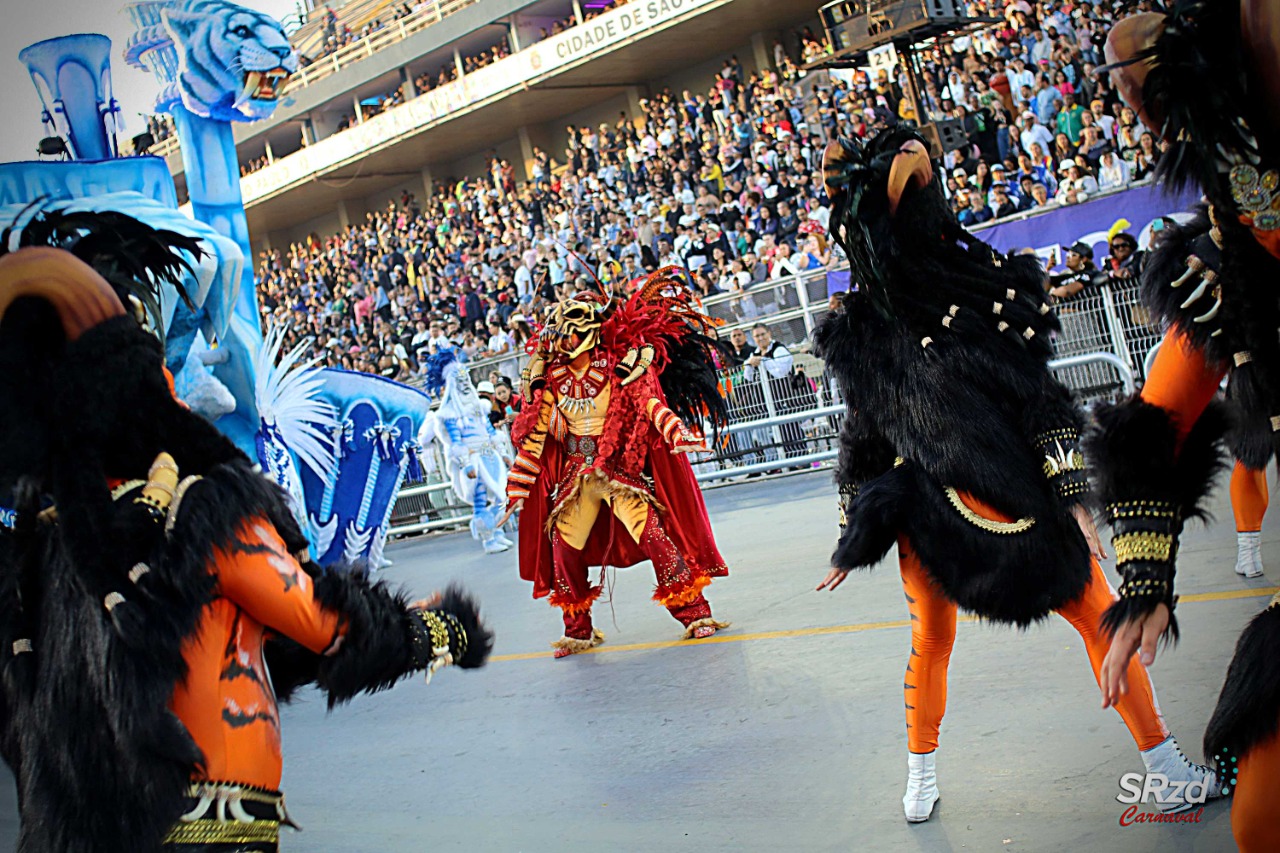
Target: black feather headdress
{"points": [[133, 257], [860, 207], [913, 260]]}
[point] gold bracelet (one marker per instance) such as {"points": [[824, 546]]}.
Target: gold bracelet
{"points": [[440, 655]]}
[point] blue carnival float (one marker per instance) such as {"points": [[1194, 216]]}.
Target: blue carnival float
{"points": [[341, 443]]}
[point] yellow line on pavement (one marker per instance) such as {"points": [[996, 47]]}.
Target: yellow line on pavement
{"points": [[1228, 594], [1223, 595]]}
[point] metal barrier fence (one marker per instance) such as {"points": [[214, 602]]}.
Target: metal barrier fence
{"points": [[793, 422], [1110, 319]]}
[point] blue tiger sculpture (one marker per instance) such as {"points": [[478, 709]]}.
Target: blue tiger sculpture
{"points": [[217, 63], [232, 61], [221, 63]]}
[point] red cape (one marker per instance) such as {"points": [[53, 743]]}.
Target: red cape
{"points": [[684, 516]]}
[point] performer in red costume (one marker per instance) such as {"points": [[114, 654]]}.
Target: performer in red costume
{"points": [[600, 472], [1207, 77]]}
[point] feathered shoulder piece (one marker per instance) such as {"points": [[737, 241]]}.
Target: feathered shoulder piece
{"points": [[662, 325], [132, 256]]}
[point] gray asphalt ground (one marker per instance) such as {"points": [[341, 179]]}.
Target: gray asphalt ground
{"points": [[783, 733]]}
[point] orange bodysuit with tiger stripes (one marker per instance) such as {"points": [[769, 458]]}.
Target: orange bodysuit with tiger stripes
{"points": [[227, 701]]}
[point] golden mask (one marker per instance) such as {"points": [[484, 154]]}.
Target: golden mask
{"points": [[574, 327]]}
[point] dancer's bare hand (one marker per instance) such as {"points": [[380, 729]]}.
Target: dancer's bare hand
{"points": [[512, 509], [834, 578], [690, 446], [1085, 519], [1142, 634]]}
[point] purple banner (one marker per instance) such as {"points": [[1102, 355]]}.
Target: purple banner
{"points": [[1049, 233]]}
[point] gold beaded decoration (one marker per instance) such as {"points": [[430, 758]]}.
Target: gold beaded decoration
{"points": [[1142, 509], [1145, 545], [1001, 527], [1256, 195], [1144, 587], [205, 831], [440, 654]]}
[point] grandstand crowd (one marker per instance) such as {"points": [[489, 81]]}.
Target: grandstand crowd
{"points": [[725, 182]]}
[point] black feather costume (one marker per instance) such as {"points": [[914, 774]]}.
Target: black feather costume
{"points": [[92, 648], [941, 355]]}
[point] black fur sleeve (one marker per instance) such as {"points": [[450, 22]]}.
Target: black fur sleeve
{"points": [[385, 639], [868, 508], [864, 454], [1150, 487]]}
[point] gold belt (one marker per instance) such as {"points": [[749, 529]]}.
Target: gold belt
{"points": [[204, 831], [226, 813]]}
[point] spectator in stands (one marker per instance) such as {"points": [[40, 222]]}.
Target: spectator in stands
{"points": [[1092, 147], [976, 212], [1113, 173], [780, 372], [1125, 262], [1040, 195], [1001, 204], [1146, 157], [742, 151], [1076, 185], [1078, 275], [1063, 149]]}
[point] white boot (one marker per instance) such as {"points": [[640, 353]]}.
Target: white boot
{"points": [[922, 786], [1169, 760], [1249, 554]]}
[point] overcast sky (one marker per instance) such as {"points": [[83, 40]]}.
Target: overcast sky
{"points": [[29, 21]]}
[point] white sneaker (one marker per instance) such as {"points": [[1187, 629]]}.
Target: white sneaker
{"points": [[1168, 760], [1249, 554], [495, 545], [922, 786]]}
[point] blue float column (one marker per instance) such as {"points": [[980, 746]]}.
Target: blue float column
{"points": [[73, 76], [212, 172]]}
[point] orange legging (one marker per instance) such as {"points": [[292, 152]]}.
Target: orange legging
{"points": [[1249, 497], [933, 633], [1253, 814]]}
